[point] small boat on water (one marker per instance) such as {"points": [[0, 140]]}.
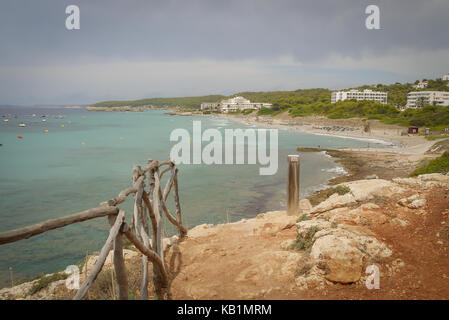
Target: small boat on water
{"points": [[22, 125], [6, 120], [44, 120]]}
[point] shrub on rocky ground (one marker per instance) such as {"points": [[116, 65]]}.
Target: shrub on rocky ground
{"points": [[306, 241], [341, 190], [44, 281]]}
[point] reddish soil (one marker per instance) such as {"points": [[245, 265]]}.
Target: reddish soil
{"points": [[244, 262]]}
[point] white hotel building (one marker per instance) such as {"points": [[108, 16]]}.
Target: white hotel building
{"points": [[418, 99], [234, 104], [366, 94]]}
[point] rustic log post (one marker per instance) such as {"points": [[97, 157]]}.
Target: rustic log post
{"points": [[140, 230], [177, 203], [151, 254], [293, 185], [121, 277], [146, 242], [172, 219], [158, 283], [149, 196], [101, 258]]}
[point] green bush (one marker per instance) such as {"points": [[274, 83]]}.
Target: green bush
{"points": [[304, 243], [436, 137], [438, 165], [304, 217], [341, 190], [44, 281], [267, 112]]}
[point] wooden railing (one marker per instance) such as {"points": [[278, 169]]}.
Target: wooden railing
{"points": [[150, 202]]}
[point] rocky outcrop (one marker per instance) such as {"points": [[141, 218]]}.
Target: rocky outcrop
{"points": [[360, 190], [342, 245], [363, 190], [425, 181], [413, 202], [340, 252], [339, 258], [334, 201]]}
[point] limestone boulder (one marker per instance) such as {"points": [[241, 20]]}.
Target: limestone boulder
{"points": [[416, 204], [434, 177], [367, 212], [304, 226], [339, 257], [333, 202], [363, 190], [340, 251], [413, 202]]}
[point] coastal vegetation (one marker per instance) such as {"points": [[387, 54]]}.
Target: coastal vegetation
{"points": [[307, 102], [438, 165], [185, 102], [44, 281], [429, 116], [435, 137], [305, 242], [341, 190], [303, 217]]}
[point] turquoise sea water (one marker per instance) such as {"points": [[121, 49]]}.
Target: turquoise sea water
{"points": [[90, 159]]}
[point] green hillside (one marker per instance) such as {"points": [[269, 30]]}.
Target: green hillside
{"points": [[304, 102], [185, 102]]}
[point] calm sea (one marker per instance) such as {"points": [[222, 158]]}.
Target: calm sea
{"points": [[87, 157]]}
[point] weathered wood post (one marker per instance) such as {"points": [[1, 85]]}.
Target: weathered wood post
{"points": [[158, 283], [121, 278], [293, 185], [177, 203]]}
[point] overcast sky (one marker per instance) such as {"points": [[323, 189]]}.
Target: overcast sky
{"points": [[135, 49]]}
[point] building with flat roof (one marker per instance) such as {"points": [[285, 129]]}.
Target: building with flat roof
{"points": [[366, 94], [421, 85], [446, 77], [234, 104], [418, 99], [210, 105]]}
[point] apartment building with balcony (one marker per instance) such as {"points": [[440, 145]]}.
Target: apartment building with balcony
{"points": [[417, 99], [358, 95]]}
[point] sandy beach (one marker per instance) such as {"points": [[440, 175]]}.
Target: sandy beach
{"points": [[392, 135], [394, 138]]}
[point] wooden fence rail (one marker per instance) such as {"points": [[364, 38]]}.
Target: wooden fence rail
{"points": [[150, 203]]}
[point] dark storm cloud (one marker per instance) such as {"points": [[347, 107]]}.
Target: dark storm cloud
{"points": [[311, 33]]}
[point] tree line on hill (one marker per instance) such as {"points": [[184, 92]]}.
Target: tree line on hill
{"points": [[305, 102], [185, 102]]}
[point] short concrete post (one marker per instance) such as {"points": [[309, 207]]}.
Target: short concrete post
{"points": [[293, 185]]}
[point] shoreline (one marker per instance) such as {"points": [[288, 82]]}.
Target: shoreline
{"points": [[393, 137]]}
